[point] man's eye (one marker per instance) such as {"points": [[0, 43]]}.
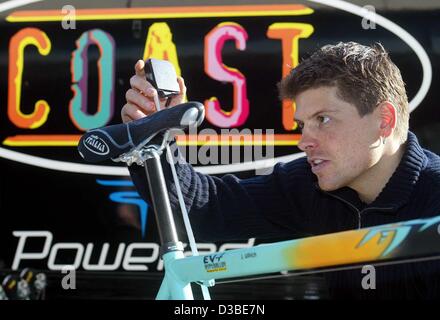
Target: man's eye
{"points": [[323, 119], [300, 125]]}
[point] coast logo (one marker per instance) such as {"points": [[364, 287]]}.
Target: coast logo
{"points": [[96, 145], [226, 40]]}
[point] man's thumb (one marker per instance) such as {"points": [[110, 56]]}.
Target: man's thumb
{"points": [[139, 68]]}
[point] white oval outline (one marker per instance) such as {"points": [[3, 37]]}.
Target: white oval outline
{"points": [[245, 166], [93, 151], [398, 31], [12, 4]]}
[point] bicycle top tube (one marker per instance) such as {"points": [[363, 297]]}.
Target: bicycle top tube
{"points": [[402, 242]]}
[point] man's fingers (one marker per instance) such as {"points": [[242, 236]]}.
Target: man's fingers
{"points": [[139, 68], [182, 86], [131, 112], [143, 86], [134, 97], [139, 82], [143, 94], [181, 96]]}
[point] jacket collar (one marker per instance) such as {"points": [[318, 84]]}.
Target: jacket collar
{"points": [[398, 189]]}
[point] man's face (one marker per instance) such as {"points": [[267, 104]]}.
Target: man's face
{"points": [[339, 144]]}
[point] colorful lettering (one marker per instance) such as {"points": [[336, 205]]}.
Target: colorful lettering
{"points": [[216, 69], [106, 65], [22, 39], [289, 33]]}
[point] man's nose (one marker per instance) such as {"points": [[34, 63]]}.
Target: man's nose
{"points": [[307, 141]]}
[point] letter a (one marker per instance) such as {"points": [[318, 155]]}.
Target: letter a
{"points": [[369, 281], [68, 281]]}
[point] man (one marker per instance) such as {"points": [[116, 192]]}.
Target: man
{"points": [[363, 167]]}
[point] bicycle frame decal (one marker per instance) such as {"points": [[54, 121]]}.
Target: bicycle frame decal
{"points": [[214, 263], [381, 242], [357, 247]]}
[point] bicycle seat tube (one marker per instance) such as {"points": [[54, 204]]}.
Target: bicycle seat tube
{"points": [[159, 194]]}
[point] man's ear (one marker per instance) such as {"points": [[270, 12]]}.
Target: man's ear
{"points": [[388, 118]]}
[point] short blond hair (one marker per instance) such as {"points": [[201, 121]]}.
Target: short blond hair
{"points": [[364, 76]]}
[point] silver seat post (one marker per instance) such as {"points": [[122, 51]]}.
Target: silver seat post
{"points": [[159, 194]]}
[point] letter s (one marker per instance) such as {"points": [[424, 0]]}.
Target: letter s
{"points": [[214, 67]]}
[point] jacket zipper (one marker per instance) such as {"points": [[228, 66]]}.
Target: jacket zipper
{"points": [[359, 212], [346, 202]]}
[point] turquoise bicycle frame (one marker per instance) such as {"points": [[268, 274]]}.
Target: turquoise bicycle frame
{"points": [[373, 245]]}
